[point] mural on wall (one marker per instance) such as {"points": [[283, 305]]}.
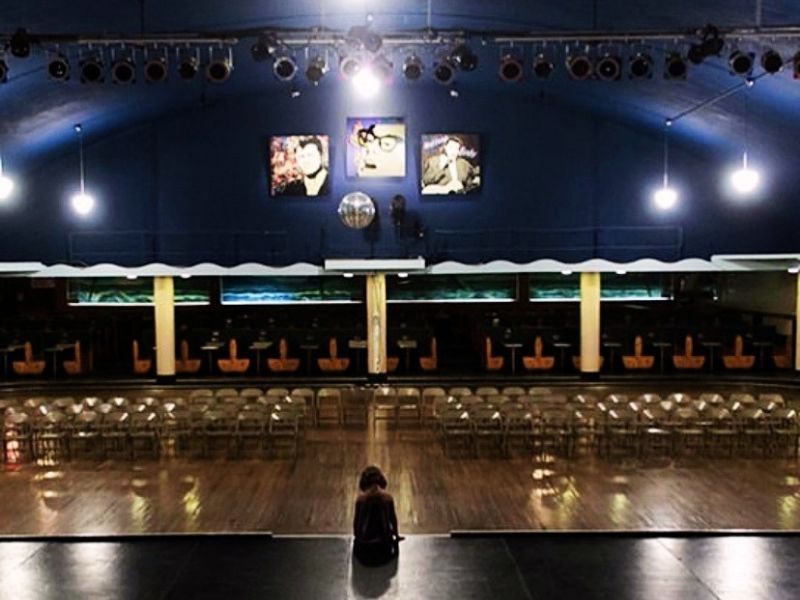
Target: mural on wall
{"points": [[119, 291], [299, 165], [290, 290], [452, 288], [376, 147], [450, 163]]}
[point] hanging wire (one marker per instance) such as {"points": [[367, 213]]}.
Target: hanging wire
{"points": [[79, 131]]}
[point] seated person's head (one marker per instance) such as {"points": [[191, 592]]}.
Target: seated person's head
{"points": [[370, 477]]}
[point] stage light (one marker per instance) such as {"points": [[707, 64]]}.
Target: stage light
{"points": [[349, 66], [510, 69], [745, 180], [6, 184], [219, 67], [793, 270], [710, 44], [188, 64], [464, 58], [131, 277], [608, 67], [771, 61], [382, 68], [444, 72], [412, 68], [675, 66], [566, 273], [156, 69], [741, 63], [58, 68], [665, 198], [366, 83], [264, 47], [621, 272], [362, 37], [82, 203], [123, 71], [20, 44], [92, 70], [185, 276], [640, 66], [542, 66], [579, 66], [316, 69], [284, 68], [3, 70]]}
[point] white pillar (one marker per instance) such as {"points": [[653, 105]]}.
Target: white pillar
{"points": [[797, 327], [376, 324], [590, 323], [164, 300]]}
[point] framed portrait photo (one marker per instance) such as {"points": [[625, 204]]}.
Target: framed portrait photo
{"points": [[450, 163], [299, 165], [376, 147]]}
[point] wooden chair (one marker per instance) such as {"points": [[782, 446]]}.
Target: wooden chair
{"points": [[74, 366], [493, 363], [233, 364], [538, 362], [185, 364], [638, 360], [29, 366], [783, 357], [140, 365], [283, 364], [430, 363], [687, 360], [576, 362], [738, 360], [333, 363]]}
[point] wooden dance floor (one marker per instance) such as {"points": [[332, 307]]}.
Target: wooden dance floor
{"points": [[434, 493]]}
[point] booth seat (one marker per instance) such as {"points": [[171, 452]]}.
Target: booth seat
{"points": [[76, 365], [687, 361], [738, 360], [538, 362], [493, 363], [430, 363], [639, 360], [30, 365], [184, 363], [283, 364], [233, 364], [333, 363]]}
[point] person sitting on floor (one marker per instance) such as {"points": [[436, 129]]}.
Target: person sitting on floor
{"points": [[375, 523]]}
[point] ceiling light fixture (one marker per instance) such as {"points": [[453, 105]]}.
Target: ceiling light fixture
{"points": [[741, 63], [542, 66], [675, 66], [608, 67], [771, 61], [188, 64], [510, 69], [366, 83], [444, 72], [123, 70], [220, 66], [316, 69], [413, 68], [640, 66], [710, 44], [58, 68], [92, 70], [464, 58], [579, 66], [156, 68], [284, 68]]}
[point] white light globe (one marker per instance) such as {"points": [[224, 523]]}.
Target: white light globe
{"points": [[82, 203], [745, 180], [6, 187], [366, 84], [665, 198]]}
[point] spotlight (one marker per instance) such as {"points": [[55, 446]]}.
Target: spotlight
{"points": [[188, 65], [640, 66], [123, 71], [675, 66], [6, 185], [284, 68], [316, 69], [741, 63], [58, 67], [219, 68], [608, 67], [444, 72], [264, 47], [92, 70], [382, 67], [349, 66], [510, 69], [745, 180], [796, 65], [771, 61], [20, 44], [3, 70], [156, 69], [542, 66], [464, 58], [412, 68], [82, 203], [361, 37], [579, 66], [665, 198], [710, 44], [366, 83]]}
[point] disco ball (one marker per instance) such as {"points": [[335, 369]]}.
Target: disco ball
{"points": [[356, 210]]}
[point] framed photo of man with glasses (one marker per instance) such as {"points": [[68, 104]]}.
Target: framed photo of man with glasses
{"points": [[376, 147]]}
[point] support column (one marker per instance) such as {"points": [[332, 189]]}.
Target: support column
{"points": [[164, 300], [376, 325], [797, 327], [590, 325]]}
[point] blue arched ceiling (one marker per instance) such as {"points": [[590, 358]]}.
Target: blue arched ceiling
{"points": [[36, 114]]}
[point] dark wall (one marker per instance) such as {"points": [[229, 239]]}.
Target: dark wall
{"points": [[546, 167]]}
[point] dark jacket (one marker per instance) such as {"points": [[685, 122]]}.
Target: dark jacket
{"points": [[375, 527]]}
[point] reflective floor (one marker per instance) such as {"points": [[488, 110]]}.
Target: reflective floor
{"points": [[430, 568], [434, 493]]}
